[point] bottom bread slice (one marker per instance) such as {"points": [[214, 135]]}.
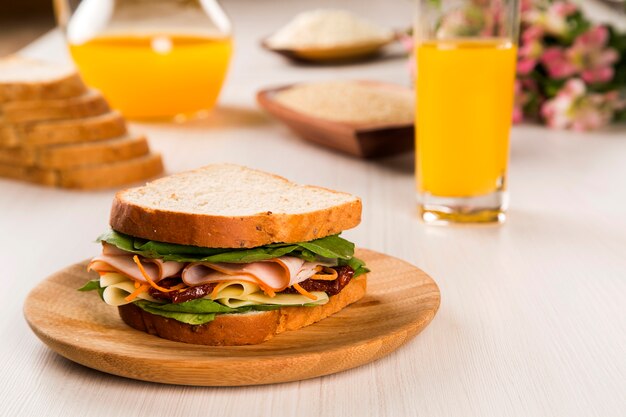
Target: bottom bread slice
{"points": [[92, 176], [112, 175], [242, 329], [30, 174]]}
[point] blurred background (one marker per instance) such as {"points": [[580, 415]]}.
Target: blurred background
{"points": [[23, 21]]}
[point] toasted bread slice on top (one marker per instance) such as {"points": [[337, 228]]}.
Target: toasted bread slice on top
{"points": [[27, 79], [231, 206]]}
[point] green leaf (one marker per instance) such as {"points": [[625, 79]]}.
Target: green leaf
{"points": [[360, 271], [202, 306], [357, 265], [91, 285], [122, 241], [333, 247], [198, 311], [307, 255], [199, 305], [250, 255], [150, 246], [264, 307], [330, 247], [183, 315], [189, 318]]}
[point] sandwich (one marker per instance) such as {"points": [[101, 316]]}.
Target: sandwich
{"points": [[226, 255]]}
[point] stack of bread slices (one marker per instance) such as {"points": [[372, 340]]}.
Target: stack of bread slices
{"points": [[55, 131]]}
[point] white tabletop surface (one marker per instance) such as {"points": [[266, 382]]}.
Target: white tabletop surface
{"points": [[533, 316]]}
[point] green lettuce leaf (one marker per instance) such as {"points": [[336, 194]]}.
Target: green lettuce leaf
{"points": [[189, 318], [356, 264], [93, 285], [330, 247], [199, 305], [198, 311], [202, 306]]}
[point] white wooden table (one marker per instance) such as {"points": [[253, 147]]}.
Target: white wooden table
{"points": [[533, 316]]}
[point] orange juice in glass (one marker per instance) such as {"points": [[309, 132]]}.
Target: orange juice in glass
{"points": [[466, 57]]}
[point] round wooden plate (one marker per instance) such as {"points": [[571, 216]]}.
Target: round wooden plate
{"points": [[401, 300]]}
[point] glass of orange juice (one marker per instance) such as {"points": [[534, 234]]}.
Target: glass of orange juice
{"points": [[152, 59], [466, 57]]}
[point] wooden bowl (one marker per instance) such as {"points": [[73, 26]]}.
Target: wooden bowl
{"points": [[340, 53], [363, 140]]}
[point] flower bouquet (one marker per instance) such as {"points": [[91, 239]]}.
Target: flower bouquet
{"points": [[571, 73]]}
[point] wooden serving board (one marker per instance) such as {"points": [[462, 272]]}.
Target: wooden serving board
{"points": [[401, 300]]}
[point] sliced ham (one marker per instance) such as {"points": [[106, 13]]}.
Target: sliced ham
{"points": [[113, 250], [276, 274], [114, 259], [273, 274]]}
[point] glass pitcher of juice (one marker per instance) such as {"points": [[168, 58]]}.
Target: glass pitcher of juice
{"points": [[152, 59], [466, 57]]}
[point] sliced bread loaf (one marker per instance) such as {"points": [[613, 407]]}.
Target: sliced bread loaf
{"points": [[231, 206], [77, 154], [86, 105], [105, 126], [26, 79]]}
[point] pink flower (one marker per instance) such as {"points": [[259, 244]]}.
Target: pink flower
{"points": [[574, 108], [530, 50], [588, 57], [525, 66], [532, 34], [526, 5], [592, 56], [591, 117], [558, 63], [552, 20], [563, 9], [558, 111]]}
